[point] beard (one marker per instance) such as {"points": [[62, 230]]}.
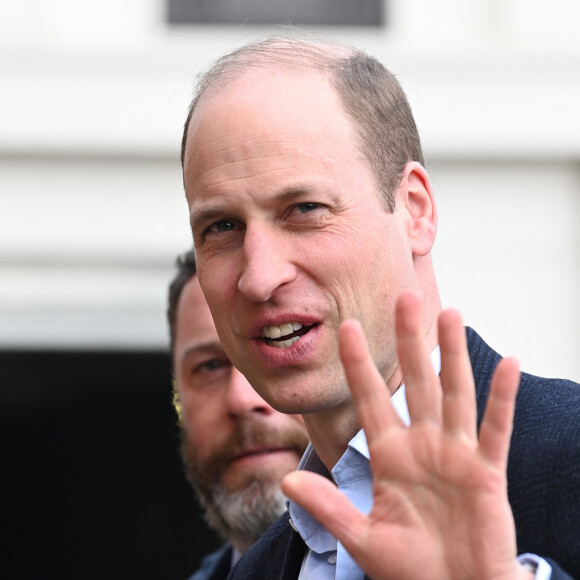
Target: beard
{"points": [[240, 515]]}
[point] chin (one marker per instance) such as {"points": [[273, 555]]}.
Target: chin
{"points": [[270, 472]]}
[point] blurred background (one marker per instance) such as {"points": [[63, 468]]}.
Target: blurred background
{"points": [[93, 96]]}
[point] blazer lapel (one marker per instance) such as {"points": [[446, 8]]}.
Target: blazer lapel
{"points": [[286, 553]]}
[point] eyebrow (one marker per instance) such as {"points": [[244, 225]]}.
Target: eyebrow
{"points": [[210, 347], [204, 215]]}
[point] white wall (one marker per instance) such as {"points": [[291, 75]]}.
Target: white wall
{"points": [[93, 96]]}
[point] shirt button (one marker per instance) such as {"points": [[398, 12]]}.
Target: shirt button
{"points": [[332, 558]]}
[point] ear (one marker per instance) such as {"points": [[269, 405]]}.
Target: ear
{"points": [[415, 195]]}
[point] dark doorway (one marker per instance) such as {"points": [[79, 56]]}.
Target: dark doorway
{"points": [[92, 485]]}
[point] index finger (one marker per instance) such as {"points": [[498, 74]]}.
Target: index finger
{"points": [[370, 394]]}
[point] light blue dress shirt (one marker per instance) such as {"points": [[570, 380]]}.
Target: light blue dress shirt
{"points": [[325, 558]]}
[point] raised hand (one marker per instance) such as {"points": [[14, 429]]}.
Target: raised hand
{"points": [[440, 493]]}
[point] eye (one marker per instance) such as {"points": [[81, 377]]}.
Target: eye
{"points": [[211, 372], [307, 206], [222, 226], [307, 214], [212, 365]]}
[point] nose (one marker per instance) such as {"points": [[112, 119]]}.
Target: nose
{"points": [[242, 399], [266, 265]]}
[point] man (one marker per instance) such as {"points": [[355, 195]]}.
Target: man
{"points": [[235, 447], [310, 206]]}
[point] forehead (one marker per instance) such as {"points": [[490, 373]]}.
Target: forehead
{"points": [[194, 322], [261, 115], [267, 88]]}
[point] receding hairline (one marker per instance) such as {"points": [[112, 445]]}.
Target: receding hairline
{"points": [[290, 51], [298, 52]]}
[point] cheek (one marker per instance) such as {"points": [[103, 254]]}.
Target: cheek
{"points": [[201, 418], [219, 281]]}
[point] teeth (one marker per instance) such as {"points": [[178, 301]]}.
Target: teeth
{"points": [[275, 331], [284, 343], [286, 329]]}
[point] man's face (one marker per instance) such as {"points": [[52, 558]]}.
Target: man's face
{"points": [[290, 234], [235, 446], [237, 436]]}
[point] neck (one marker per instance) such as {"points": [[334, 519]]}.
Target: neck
{"points": [[431, 309], [331, 430]]}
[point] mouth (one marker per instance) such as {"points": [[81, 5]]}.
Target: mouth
{"points": [[260, 452], [284, 335]]}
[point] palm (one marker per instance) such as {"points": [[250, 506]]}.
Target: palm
{"points": [[422, 483]]}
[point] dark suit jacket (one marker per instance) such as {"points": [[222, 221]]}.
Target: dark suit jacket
{"points": [[543, 478], [215, 566]]}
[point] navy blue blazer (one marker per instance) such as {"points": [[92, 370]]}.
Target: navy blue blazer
{"points": [[543, 478], [215, 566]]}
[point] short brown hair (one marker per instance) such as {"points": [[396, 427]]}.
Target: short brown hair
{"points": [[186, 270]]}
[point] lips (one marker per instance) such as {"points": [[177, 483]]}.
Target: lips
{"points": [[260, 451]]}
